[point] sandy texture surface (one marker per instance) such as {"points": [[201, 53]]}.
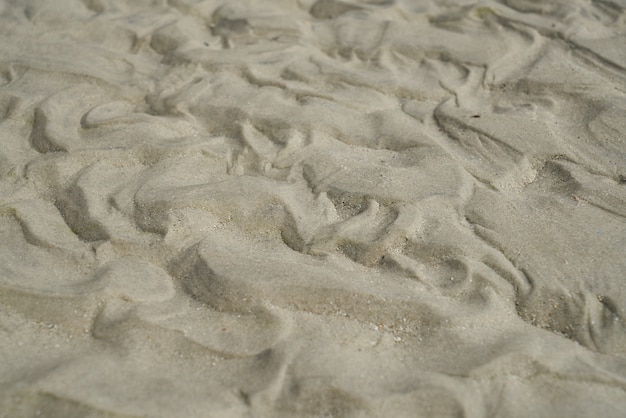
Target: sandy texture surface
{"points": [[383, 208]]}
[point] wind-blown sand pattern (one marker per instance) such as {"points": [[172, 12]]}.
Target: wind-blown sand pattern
{"points": [[323, 208]]}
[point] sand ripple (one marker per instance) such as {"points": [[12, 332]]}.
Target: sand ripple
{"points": [[312, 208]]}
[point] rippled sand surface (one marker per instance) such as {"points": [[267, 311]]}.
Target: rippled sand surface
{"points": [[382, 208]]}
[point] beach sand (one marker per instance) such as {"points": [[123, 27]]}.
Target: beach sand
{"points": [[375, 208]]}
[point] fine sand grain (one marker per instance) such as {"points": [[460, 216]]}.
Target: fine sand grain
{"points": [[300, 208]]}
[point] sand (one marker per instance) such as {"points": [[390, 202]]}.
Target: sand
{"points": [[382, 208]]}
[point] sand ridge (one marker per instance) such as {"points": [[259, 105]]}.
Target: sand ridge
{"points": [[312, 208]]}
